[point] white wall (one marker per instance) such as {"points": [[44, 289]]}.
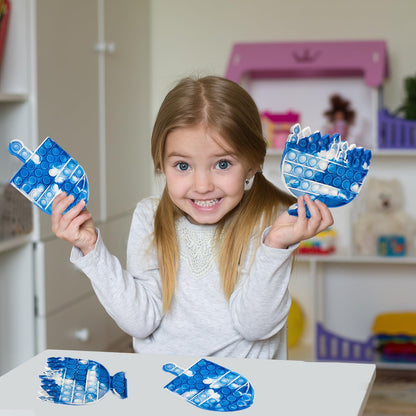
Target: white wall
{"points": [[196, 36]]}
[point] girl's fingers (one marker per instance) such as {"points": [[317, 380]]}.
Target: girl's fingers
{"points": [[327, 219], [321, 217], [80, 219], [74, 211], [301, 208], [313, 208], [58, 207], [61, 203], [67, 218], [288, 229], [60, 221], [315, 212], [59, 197], [55, 202]]}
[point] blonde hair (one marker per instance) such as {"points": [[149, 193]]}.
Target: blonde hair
{"points": [[227, 109]]}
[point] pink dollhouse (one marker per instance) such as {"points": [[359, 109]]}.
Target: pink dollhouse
{"points": [[261, 66]]}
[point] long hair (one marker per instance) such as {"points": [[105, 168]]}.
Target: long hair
{"points": [[227, 109]]}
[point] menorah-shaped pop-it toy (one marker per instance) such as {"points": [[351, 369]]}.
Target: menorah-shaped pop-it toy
{"points": [[324, 167]]}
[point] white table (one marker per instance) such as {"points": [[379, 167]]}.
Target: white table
{"points": [[280, 387]]}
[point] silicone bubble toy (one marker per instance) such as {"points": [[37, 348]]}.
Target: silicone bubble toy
{"points": [[325, 167], [209, 386], [46, 172], [74, 381]]}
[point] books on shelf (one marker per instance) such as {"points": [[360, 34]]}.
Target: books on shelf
{"points": [[4, 22]]}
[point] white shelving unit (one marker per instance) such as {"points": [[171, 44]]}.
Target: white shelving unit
{"points": [[77, 72], [343, 291], [17, 115]]}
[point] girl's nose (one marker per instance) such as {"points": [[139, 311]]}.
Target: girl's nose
{"points": [[203, 182]]}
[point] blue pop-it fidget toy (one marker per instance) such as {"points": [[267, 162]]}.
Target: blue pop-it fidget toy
{"points": [[74, 381], [325, 167], [210, 386], [46, 172]]}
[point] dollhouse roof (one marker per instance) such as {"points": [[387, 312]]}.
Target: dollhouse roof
{"points": [[366, 59], [289, 117]]}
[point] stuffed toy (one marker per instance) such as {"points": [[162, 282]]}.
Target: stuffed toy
{"points": [[384, 228]]}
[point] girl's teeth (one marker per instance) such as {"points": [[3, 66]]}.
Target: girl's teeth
{"points": [[209, 203]]}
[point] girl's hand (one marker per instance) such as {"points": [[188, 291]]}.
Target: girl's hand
{"points": [[288, 229], [75, 226]]}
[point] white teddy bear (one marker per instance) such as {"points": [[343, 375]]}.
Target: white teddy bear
{"points": [[384, 228]]}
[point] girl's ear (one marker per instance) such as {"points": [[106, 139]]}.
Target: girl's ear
{"points": [[251, 172], [248, 181]]}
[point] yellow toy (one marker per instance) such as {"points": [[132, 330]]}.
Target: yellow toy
{"points": [[295, 324]]}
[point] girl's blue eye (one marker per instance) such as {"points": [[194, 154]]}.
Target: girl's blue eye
{"points": [[223, 164], [182, 166]]}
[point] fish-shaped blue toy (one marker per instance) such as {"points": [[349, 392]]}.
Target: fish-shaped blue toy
{"points": [[47, 172], [75, 381], [210, 386], [325, 167]]}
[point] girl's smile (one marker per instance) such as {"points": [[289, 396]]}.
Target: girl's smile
{"points": [[206, 203], [204, 177]]}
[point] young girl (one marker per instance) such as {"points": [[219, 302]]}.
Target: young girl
{"points": [[208, 263]]}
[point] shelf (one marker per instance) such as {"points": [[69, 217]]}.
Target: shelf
{"points": [[12, 98], [356, 259], [14, 242], [382, 365], [394, 152]]}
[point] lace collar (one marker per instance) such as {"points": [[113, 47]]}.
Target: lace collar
{"points": [[196, 246]]}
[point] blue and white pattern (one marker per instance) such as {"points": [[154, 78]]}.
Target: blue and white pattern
{"points": [[210, 386], [76, 382], [47, 172], [324, 167]]}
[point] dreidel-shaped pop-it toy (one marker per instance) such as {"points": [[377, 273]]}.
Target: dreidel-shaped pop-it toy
{"points": [[210, 386], [323, 167], [46, 172], [75, 381]]}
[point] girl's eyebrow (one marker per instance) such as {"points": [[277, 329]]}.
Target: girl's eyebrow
{"points": [[175, 154], [217, 155], [226, 153]]}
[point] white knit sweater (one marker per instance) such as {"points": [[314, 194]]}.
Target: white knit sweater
{"points": [[200, 321]]}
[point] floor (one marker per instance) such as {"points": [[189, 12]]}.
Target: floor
{"points": [[393, 394]]}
